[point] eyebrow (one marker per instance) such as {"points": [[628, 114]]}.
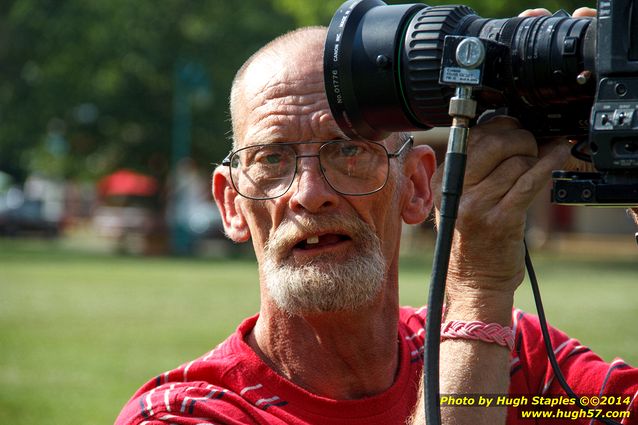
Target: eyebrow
{"points": [[293, 143]]}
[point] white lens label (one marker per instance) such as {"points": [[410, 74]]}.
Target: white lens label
{"points": [[461, 76]]}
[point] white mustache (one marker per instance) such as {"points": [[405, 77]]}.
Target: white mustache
{"points": [[290, 232]]}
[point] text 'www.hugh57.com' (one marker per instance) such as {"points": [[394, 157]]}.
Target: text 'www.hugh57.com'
{"points": [[549, 407]]}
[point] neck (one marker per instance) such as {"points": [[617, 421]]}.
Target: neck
{"points": [[339, 355]]}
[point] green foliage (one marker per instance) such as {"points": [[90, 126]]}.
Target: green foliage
{"points": [[87, 86], [309, 12], [505, 9]]}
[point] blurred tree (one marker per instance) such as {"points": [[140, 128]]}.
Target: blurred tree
{"points": [[313, 13], [504, 8], [87, 86]]}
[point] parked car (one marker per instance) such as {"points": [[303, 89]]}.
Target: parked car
{"points": [[20, 215]]}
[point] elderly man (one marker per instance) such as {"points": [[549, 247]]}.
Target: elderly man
{"points": [[331, 345]]}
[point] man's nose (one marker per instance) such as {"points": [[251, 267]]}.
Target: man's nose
{"points": [[310, 190]]}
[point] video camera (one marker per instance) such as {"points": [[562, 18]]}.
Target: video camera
{"points": [[386, 70]]}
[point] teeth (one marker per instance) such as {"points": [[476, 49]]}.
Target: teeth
{"points": [[312, 240]]}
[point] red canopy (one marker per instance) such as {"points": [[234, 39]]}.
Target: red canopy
{"points": [[127, 183]]}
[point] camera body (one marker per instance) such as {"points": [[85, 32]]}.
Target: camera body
{"points": [[560, 76], [613, 126]]}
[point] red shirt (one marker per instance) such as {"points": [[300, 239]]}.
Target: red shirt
{"points": [[232, 385]]}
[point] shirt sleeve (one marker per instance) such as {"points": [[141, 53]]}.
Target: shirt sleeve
{"points": [[585, 372], [189, 403]]}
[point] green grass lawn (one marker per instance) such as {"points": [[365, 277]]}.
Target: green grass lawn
{"points": [[80, 331]]}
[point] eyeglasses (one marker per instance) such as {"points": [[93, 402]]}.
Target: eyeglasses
{"points": [[351, 167]]}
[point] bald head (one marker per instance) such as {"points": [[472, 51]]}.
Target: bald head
{"points": [[278, 60]]}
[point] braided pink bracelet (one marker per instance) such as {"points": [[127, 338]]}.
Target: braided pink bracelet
{"points": [[487, 332]]}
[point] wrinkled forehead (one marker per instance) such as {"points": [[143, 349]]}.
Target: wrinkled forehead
{"points": [[283, 99]]}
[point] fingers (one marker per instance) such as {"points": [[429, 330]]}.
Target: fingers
{"points": [[584, 12], [494, 142], [549, 145], [581, 12], [499, 152], [534, 12], [500, 121], [533, 180], [504, 178], [505, 167]]}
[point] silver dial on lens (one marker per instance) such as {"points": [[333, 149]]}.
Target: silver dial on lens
{"points": [[470, 52]]}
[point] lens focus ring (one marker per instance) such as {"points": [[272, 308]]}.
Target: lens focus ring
{"points": [[421, 59]]}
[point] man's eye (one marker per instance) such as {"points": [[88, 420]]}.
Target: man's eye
{"points": [[273, 159], [269, 158], [350, 150]]}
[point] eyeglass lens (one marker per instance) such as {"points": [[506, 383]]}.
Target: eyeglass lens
{"points": [[350, 168]]}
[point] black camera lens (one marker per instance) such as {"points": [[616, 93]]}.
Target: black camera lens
{"points": [[382, 65]]}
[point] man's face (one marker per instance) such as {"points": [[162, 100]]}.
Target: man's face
{"points": [[634, 214], [317, 250]]}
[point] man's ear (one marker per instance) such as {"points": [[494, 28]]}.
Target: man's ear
{"points": [[419, 167], [226, 198]]}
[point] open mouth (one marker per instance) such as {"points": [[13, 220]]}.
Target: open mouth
{"points": [[321, 241]]}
